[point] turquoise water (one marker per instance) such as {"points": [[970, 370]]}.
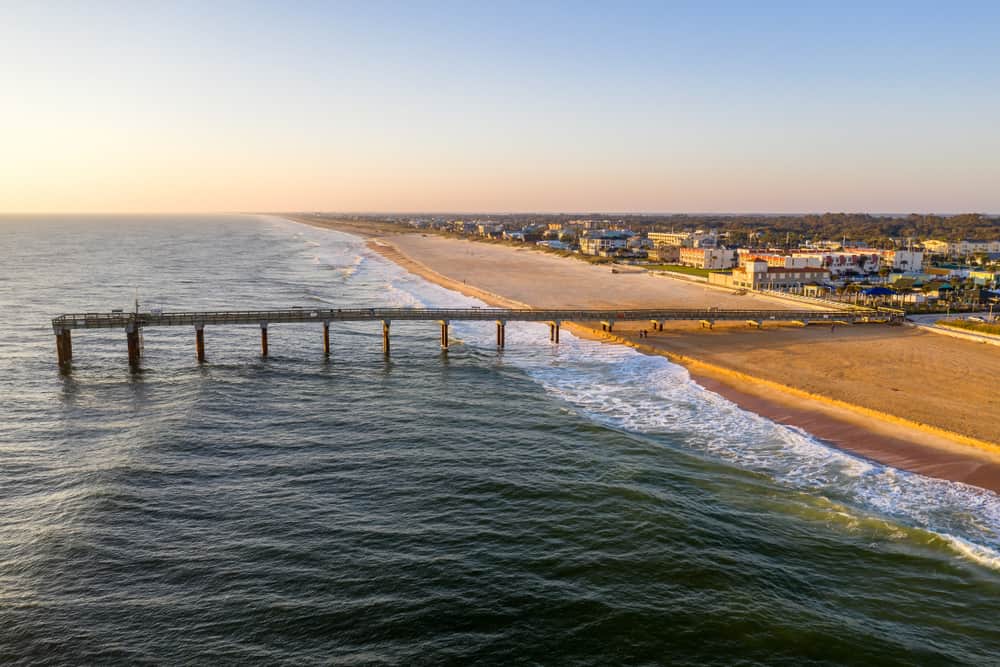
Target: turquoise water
{"points": [[576, 504]]}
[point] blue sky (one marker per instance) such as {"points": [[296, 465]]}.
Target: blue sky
{"points": [[500, 106]]}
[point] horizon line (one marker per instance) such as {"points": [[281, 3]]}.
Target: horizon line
{"points": [[895, 214]]}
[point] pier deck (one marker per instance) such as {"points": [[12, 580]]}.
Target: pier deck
{"points": [[134, 322], [303, 315]]}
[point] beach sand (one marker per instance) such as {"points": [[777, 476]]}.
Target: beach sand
{"points": [[896, 395]]}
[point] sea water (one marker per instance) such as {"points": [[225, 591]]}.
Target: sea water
{"points": [[581, 503]]}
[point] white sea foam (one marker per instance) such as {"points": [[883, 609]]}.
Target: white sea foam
{"points": [[648, 395]]}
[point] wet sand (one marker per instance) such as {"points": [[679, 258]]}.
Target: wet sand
{"points": [[896, 395]]}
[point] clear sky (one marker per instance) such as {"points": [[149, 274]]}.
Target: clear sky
{"points": [[492, 106]]}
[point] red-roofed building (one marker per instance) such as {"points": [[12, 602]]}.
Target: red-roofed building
{"points": [[757, 275]]}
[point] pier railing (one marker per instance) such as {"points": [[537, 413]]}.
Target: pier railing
{"points": [[134, 322]]}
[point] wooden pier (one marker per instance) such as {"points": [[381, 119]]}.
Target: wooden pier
{"points": [[135, 322]]}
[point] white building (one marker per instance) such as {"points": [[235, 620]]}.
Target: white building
{"points": [[708, 258], [962, 248], [903, 260], [698, 239]]}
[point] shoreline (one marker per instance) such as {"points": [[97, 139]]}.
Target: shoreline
{"points": [[877, 436]]}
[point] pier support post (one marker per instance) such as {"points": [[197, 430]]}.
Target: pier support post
{"points": [[385, 337], [501, 333], [67, 345], [263, 339], [554, 332], [132, 337], [64, 347], [657, 325], [608, 325], [444, 334], [326, 338], [707, 324], [199, 342]]}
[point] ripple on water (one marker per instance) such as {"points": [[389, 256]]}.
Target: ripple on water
{"points": [[533, 506]]}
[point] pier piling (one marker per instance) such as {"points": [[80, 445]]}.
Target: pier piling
{"points": [[326, 338], [263, 339], [199, 342], [554, 332], [67, 345], [385, 337], [444, 335], [132, 337], [501, 333], [64, 346]]}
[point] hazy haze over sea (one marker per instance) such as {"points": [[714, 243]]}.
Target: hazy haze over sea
{"points": [[582, 503]]}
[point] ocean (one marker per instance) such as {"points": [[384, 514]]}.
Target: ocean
{"points": [[573, 504]]}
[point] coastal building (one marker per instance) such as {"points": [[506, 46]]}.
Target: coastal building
{"points": [[961, 248], [555, 245], [837, 262], [669, 254], [909, 279], [604, 242], [697, 239], [985, 278], [779, 259], [949, 271], [463, 226], [903, 260], [757, 274], [489, 228], [707, 258]]}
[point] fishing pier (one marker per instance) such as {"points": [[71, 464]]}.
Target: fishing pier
{"points": [[133, 323]]}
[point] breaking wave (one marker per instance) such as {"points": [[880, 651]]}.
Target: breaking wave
{"points": [[651, 397]]}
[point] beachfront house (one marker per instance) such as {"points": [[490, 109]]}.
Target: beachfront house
{"points": [[604, 242]]}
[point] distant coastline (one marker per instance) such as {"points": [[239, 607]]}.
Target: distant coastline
{"points": [[880, 435]]}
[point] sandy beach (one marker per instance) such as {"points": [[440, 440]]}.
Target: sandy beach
{"points": [[897, 395]]}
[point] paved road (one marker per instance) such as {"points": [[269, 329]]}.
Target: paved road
{"points": [[934, 317]]}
